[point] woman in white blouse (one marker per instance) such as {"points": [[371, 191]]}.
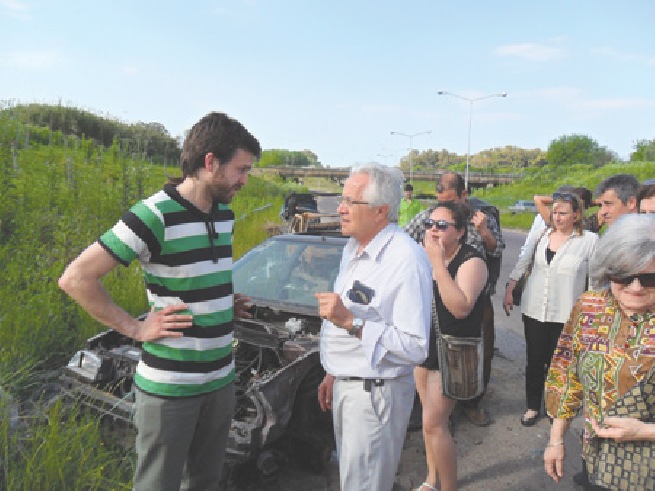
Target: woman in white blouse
{"points": [[559, 275]]}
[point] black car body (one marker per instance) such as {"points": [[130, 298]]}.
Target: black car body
{"points": [[276, 352], [298, 203]]}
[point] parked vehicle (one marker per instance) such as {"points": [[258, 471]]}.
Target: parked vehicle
{"points": [[298, 203], [522, 205], [276, 354]]}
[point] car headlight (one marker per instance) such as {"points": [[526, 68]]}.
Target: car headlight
{"points": [[88, 365]]}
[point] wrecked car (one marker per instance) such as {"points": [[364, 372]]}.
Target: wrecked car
{"points": [[276, 353]]}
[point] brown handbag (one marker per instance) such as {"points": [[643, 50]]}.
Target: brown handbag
{"points": [[460, 362]]}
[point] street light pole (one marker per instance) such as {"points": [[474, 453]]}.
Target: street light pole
{"points": [[470, 100], [411, 138]]}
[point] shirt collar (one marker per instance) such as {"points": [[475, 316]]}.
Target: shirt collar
{"points": [[376, 245]]}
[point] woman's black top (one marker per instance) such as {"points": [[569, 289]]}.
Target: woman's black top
{"points": [[469, 326]]}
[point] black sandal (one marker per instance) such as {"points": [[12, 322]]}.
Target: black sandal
{"points": [[530, 420]]}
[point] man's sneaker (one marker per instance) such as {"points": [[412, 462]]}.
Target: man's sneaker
{"points": [[477, 416]]}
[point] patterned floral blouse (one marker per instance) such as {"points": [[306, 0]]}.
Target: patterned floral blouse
{"points": [[600, 355]]}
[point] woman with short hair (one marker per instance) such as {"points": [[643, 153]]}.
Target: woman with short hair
{"points": [[459, 275], [606, 350]]}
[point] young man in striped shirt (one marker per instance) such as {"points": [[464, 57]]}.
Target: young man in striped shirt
{"points": [[182, 237]]}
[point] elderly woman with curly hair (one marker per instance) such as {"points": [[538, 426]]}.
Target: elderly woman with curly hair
{"points": [[605, 353]]}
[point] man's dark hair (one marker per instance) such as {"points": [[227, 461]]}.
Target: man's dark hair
{"points": [[645, 192], [451, 180], [624, 185], [409, 187], [585, 195], [219, 134], [461, 214]]}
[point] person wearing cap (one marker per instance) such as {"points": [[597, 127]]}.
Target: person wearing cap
{"points": [[409, 207], [646, 197]]}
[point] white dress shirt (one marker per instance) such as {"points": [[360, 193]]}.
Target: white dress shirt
{"points": [[552, 289], [397, 319]]}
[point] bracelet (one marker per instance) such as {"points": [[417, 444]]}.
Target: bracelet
{"points": [[554, 444]]}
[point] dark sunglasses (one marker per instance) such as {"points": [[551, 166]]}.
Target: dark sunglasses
{"points": [[563, 197], [647, 280], [440, 224]]}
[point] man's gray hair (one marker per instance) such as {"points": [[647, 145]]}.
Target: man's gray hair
{"points": [[384, 187], [625, 249], [624, 185]]}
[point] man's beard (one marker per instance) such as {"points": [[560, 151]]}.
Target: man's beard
{"points": [[222, 194]]}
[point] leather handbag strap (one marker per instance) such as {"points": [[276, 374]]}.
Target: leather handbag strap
{"points": [[435, 318], [528, 270]]}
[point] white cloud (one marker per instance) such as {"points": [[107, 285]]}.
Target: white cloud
{"points": [[531, 52], [15, 8], [626, 57], [30, 60], [617, 103]]}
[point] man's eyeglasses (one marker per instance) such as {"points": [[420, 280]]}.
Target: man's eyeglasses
{"points": [[348, 202], [647, 280], [440, 224]]}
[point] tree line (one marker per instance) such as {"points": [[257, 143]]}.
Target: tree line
{"points": [[52, 123], [153, 142], [567, 150]]}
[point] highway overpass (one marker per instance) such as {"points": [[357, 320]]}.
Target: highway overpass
{"points": [[298, 174]]}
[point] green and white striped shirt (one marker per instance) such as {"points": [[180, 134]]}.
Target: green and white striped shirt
{"points": [[186, 256]]}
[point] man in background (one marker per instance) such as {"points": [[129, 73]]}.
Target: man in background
{"points": [[408, 206], [617, 195], [646, 198], [182, 237]]}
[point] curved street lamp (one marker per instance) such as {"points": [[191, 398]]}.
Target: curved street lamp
{"points": [[411, 137], [470, 100]]}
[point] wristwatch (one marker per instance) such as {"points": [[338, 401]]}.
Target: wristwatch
{"points": [[358, 324]]}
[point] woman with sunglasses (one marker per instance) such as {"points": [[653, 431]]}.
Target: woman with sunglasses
{"points": [[459, 275], [559, 275], [606, 350]]}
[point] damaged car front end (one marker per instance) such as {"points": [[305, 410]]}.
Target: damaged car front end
{"points": [[276, 353]]}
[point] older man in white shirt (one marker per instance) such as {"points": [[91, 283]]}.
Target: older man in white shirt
{"points": [[376, 330]]}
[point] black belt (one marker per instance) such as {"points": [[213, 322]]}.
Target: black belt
{"points": [[368, 382]]}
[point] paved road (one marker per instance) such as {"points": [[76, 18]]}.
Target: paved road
{"points": [[502, 456]]}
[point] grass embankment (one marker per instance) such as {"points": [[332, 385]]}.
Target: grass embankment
{"points": [[57, 199]]}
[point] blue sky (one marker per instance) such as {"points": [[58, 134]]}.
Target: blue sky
{"points": [[336, 77]]}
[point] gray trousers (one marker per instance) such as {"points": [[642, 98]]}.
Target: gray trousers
{"points": [[370, 430], [181, 442]]}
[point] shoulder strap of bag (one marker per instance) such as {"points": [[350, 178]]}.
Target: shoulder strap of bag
{"points": [[435, 318], [528, 270]]}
